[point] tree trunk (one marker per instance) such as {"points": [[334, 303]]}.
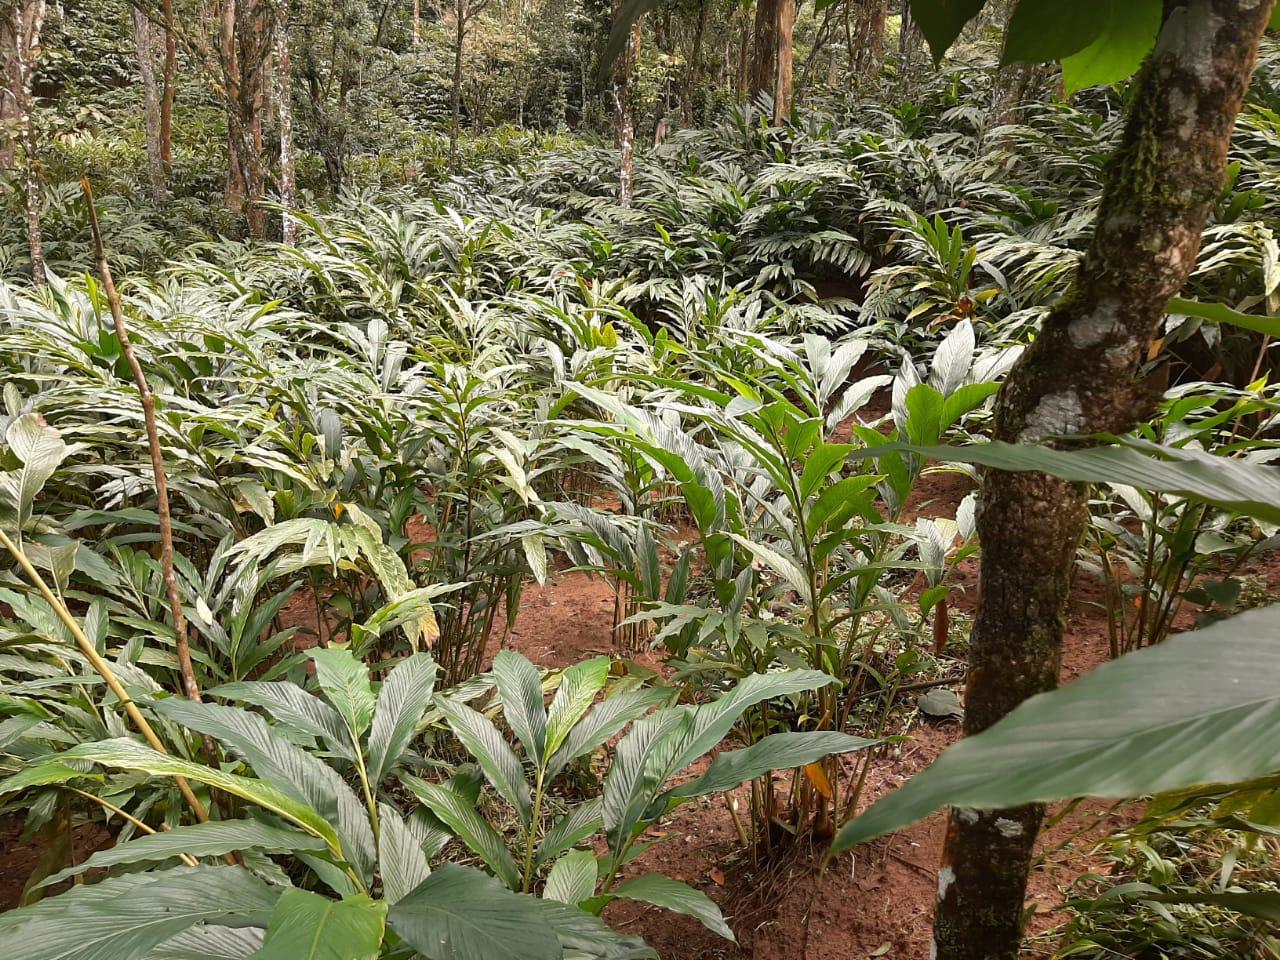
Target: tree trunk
{"points": [[455, 103], [744, 50], [695, 64], [169, 90], [27, 21], [625, 109], [8, 93], [143, 34], [870, 45], [782, 81], [288, 181], [417, 22], [764, 62], [1080, 376]]}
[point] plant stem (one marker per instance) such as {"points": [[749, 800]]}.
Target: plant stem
{"points": [[189, 860], [182, 642], [526, 881]]}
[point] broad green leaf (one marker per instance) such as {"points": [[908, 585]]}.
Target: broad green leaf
{"points": [[775, 752], [125, 754], [783, 566], [291, 705], [573, 877], [402, 700], [1127, 37], [1221, 313], [301, 775], [1246, 488], [1264, 905], [1043, 30], [574, 827], [124, 921], [462, 914], [40, 449], [462, 817], [307, 926], [345, 682], [585, 936], [604, 720], [579, 685], [210, 839], [501, 766], [942, 20], [677, 897], [402, 863], [520, 688], [41, 774], [210, 942], [1153, 721]]}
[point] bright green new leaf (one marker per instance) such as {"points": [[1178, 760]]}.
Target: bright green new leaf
{"points": [[579, 685], [402, 700], [573, 877], [307, 926], [1127, 37], [345, 681]]}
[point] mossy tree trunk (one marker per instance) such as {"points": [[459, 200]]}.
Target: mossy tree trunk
{"points": [[1083, 375]]}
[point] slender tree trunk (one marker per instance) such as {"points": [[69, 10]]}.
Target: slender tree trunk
{"points": [[870, 44], [625, 109], [782, 86], [695, 64], [744, 61], [170, 88], [8, 92], [1081, 377], [417, 22], [764, 61], [284, 104], [27, 22], [143, 35], [455, 104]]}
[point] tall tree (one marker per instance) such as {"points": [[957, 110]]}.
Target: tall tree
{"points": [[771, 65], [23, 23], [624, 104], [464, 12], [1079, 377], [144, 36], [284, 106]]}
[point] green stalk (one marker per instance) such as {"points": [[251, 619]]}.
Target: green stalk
{"points": [[526, 879]]}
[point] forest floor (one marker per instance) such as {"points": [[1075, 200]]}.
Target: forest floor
{"points": [[874, 902]]}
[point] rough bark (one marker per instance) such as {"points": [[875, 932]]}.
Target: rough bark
{"points": [[1081, 376], [26, 23], [695, 64], [455, 92], [288, 180], [782, 85], [624, 104], [143, 35], [170, 87], [869, 55]]}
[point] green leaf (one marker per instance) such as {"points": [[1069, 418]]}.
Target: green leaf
{"points": [[211, 839], [1221, 313], [401, 859], [499, 762], [302, 775], [41, 450], [604, 720], [41, 774], [1235, 485], [579, 685], [520, 688], [677, 897], [574, 827], [125, 754], [585, 936], [1152, 721], [784, 567], [209, 942], [345, 681], [402, 700], [1128, 36], [573, 877], [293, 706], [115, 920], [777, 751], [1263, 905], [307, 926], [462, 914], [942, 20], [1044, 30], [462, 817]]}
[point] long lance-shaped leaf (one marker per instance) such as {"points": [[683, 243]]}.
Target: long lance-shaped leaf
{"points": [[345, 681], [126, 921], [291, 705], [402, 862], [1235, 485], [1152, 721], [209, 839], [577, 825], [210, 942], [520, 688], [307, 926], [585, 936], [41, 449], [1221, 313], [604, 720], [305, 777], [662, 891], [126, 754], [777, 751], [402, 700], [493, 754], [579, 685], [463, 914], [462, 817]]}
